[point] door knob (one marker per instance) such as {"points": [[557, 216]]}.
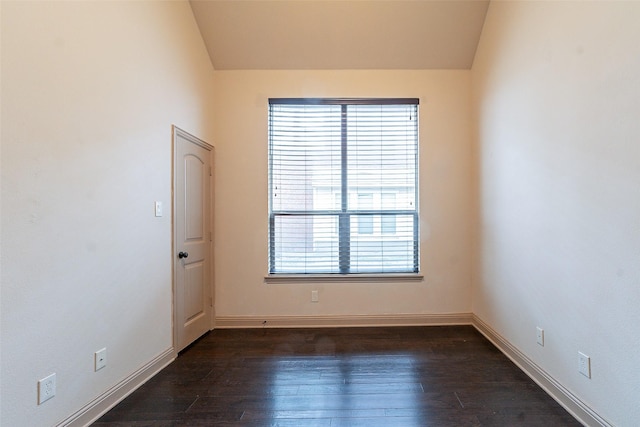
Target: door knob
{"points": [[183, 255]]}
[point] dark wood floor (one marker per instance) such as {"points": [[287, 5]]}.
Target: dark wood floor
{"points": [[400, 376]]}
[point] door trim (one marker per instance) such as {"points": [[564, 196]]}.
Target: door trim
{"points": [[175, 133]]}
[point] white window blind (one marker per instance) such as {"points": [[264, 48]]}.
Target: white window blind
{"points": [[343, 191]]}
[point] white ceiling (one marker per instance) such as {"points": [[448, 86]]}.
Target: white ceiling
{"points": [[340, 34]]}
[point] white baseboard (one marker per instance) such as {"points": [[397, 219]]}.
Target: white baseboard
{"points": [[235, 322], [580, 410], [107, 400]]}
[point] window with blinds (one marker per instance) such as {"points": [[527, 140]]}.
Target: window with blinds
{"points": [[343, 191]]}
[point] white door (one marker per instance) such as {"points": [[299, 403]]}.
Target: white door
{"points": [[192, 240]]}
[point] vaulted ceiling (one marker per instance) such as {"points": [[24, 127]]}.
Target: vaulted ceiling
{"points": [[340, 34]]}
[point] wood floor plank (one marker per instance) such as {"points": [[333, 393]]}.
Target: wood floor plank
{"points": [[328, 377]]}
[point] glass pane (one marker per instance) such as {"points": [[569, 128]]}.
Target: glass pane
{"points": [[305, 155], [379, 253], [305, 244], [365, 222], [388, 222], [382, 150]]}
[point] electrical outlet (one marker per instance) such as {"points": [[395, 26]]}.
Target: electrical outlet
{"points": [[584, 364], [100, 359], [314, 296], [46, 388], [540, 336]]}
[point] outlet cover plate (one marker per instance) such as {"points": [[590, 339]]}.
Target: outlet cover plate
{"points": [[584, 364], [100, 358], [540, 336], [46, 388]]}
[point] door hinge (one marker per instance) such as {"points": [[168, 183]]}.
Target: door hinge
{"points": [[211, 236], [210, 171], [210, 301]]}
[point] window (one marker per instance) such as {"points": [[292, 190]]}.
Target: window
{"points": [[343, 191]]}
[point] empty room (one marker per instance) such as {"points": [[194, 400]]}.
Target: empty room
{"points": [[319, 212]]}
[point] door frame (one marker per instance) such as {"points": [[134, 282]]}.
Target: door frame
{"points": [[175, 132]]}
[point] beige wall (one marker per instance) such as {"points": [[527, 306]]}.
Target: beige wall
{"points": [[89, 93], [556, 92], [242, 202]]}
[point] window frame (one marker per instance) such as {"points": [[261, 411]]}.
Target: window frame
{"points": [[277, 276]]}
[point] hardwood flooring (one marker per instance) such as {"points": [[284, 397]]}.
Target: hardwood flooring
{"points": [[329, 377]]}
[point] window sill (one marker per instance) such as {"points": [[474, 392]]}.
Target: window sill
{"points": [[343, 278]]}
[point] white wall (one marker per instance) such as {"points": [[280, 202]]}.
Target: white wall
{"points": [[557, 96], [89, 93], [241, 108]]}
